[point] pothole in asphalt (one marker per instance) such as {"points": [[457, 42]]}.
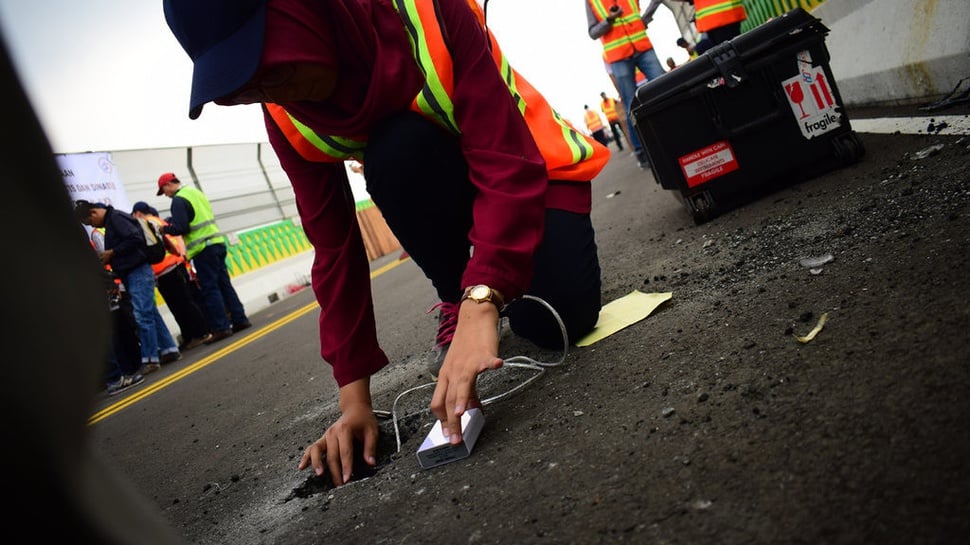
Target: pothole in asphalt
{"points": [[386, 454]]}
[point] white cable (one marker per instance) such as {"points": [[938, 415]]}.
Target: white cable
{"points": [[522, 362]]}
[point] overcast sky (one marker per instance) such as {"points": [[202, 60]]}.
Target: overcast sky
{"points": [[107, 75]]}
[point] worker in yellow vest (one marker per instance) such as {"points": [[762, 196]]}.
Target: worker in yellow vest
{"points": [[459, 152], [612, 110], [621, 28]]}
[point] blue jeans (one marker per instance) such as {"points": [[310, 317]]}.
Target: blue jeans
{"points": [[153, 332], [217, 291], [624, 72]]}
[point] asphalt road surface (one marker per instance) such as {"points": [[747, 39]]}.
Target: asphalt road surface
{"points": [[707, 422]]}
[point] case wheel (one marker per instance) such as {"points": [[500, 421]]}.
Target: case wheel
{"points": [[701, 207], [847, 148]]}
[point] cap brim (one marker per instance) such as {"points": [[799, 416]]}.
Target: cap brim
{"points": [[229, 64], [159, 194]]}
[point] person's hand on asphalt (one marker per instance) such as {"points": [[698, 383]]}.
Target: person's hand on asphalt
{"points": [[473, 350], [336, 446]]}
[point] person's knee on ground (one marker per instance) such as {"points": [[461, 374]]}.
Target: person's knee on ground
{"points": [[534, 322], [567, 277], [418, 178]]}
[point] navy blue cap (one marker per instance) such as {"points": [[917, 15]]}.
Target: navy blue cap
{"points": [[224, 39], [144, 208]]}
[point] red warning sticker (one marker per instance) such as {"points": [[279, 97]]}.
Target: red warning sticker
{"points": [[707, 163]]}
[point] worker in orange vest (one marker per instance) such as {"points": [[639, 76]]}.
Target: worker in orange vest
{"points": [[622, 29], [595, 125], [610, 109], [719, 19], [175, 284]]}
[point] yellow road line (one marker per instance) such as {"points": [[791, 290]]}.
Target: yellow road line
{"points": [[154, 387]]}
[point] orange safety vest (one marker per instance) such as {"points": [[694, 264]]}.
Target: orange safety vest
{"points": [[172, 242], [609, 109], [628, 34], [593, 121], [711, 14], [569, 154]]}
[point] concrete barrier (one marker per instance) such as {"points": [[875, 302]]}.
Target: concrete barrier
{"points": [[894, 52]]}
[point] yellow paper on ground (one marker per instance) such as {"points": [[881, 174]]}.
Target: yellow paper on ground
{"points": [[626, 310]]}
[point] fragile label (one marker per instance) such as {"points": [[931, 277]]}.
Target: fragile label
{"points": [[707, 163], [812, 102]]}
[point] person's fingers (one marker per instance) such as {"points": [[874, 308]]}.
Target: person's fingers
{"points": [[305, 459], [312, 457], [455, 403], [333, 458], [370, 446], [438, 399], [347, 457]]}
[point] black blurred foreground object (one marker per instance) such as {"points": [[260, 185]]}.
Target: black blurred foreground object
{"points": [[55, 334], [750, 116]]}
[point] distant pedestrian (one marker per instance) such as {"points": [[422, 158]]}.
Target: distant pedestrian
{"points": [[123, 370], [595, 125], [124, 355], [124, 250], [193, 220], [691, 52], [621, 28], [611, 109], [175, 284]]}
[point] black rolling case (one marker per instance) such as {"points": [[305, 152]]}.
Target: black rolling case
{"points": [[749, 116]]}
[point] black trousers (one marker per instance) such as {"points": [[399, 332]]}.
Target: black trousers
{"points": [[417, 176], [124, 340], [618, 134], [724, 33], [176, 288]]}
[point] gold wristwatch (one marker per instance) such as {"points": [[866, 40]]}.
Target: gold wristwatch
{"points": [[483, 294]]}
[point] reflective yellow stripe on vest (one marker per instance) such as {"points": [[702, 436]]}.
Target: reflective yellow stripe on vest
{"points": [[202, 228], [627, 35], [568, 153], [312, 146], [711, 14], [434, 61]]}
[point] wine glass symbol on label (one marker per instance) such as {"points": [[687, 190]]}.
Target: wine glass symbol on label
{"points": [[795, 93]]}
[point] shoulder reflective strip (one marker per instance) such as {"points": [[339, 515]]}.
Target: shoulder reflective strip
{"points": [[599, 8], [434, 60], [336, 148], [305, 148]]}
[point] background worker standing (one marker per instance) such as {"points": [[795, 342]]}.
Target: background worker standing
{"points": [[595, 125], [174, 283], [626, 47], [205, 245], [609, 107]]}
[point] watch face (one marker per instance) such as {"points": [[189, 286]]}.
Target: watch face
{"points": [[479, 292]]}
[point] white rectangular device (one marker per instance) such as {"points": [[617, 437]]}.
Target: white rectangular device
{"points": [[437, 450]]}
